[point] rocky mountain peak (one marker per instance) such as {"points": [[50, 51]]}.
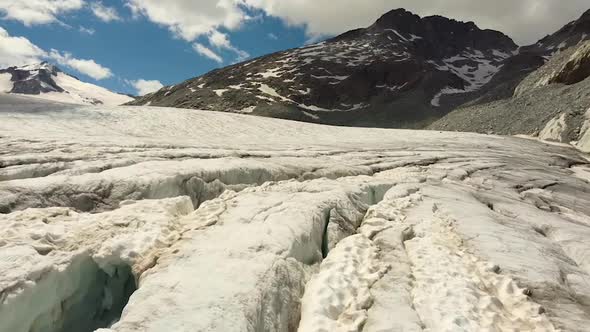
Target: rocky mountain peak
{"points": [[34, 78], [583, 23], [442, 30], [402, 71], [399, 19], [41, 66]]}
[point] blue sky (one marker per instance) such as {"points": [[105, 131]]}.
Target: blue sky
{"points": [[136, 46]]}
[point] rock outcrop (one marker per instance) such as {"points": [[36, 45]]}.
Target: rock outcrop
{"points": [[399, 72], [46, 81]]}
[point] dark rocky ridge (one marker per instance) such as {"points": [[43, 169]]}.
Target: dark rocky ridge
{"points": [[47, 81], [391, 74], [405, 71], [552, 101], [33, 82]]}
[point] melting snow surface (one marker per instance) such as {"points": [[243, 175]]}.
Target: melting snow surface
{"points": [[476, 76], [220, 92], [6, 82], [233, 222], [78, 92]]}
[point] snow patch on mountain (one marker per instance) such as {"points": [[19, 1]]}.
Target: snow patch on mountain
{"points": [[47, 82], [473, 67], [6, 82]]}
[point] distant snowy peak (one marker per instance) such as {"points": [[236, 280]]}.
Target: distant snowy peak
{"points": [[46, 81], [392, 73]]}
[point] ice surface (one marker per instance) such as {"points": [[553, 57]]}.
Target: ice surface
{"points": [[6, 82], [230, 222]]}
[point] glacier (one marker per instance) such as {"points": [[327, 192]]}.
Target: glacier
{"points": [[128, 219]]}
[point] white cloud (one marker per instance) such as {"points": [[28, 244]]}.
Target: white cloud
{"points": [[87, 67], [105, 13], [31, 12], [189, 19], [17, 51], [144, 87], [524, 20], [272, 36], [221, 41], [89, 31], [207, 52]]}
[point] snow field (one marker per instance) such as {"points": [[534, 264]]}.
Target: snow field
{"points": [[238, 223]]}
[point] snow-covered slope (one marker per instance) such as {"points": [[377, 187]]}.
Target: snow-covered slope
{"points": [[204, 221], [46, 81]]}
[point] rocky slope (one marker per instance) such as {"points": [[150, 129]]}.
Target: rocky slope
{"points": [[399, 72], [46, 81], [552, 102], [406, 72], [147, 219]]}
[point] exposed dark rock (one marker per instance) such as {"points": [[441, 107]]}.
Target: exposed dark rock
{"points": [[576, 69], [33, 81], [389, 74]]}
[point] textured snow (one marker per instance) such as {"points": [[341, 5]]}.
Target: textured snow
{"points": [[275, 72], [232, 222], [220, 92], [248, 109], [272, 92], [6, 82], [339, 78], [78, 92]]}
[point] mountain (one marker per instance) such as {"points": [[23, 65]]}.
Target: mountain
{"points": [[396, 73], [551, 102], [46, 81], [570, 35]]}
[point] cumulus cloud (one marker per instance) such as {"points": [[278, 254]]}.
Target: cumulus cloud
{"points": [[16, 51], [144, 87], [221, 41], [31, 12], [87, 67], [105, 13], [524, 20], [207, 52], [189, 20]]}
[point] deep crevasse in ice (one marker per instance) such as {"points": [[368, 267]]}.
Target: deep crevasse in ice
{"points": [[296, 226]]}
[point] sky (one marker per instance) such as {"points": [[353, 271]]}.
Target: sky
{"points": [[137, 46]]}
